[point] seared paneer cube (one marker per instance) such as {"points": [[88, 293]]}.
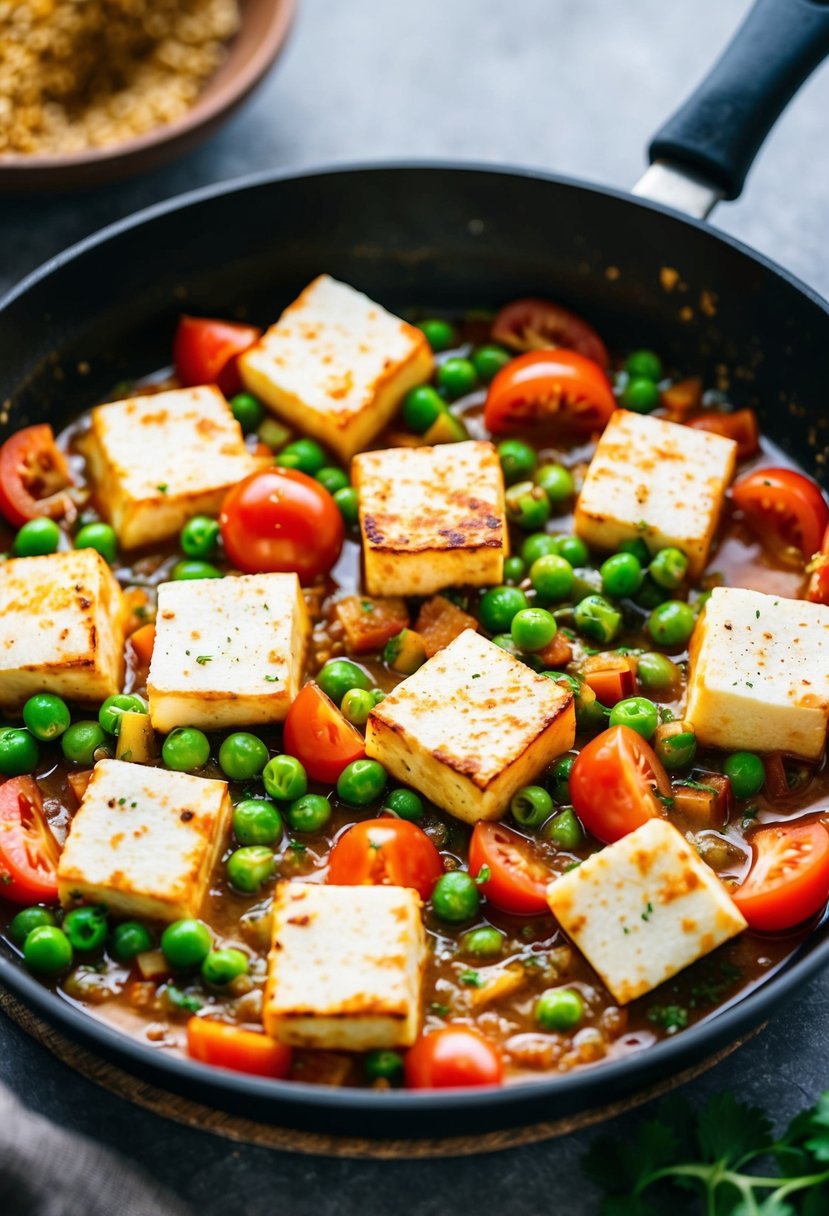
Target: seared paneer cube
{"points": [[62, 620], [228, 652], [336, 365], [431, 518], [470, 727], [157, 460], [643, 909], [144, 841], [760, 674], [345, 967], [656, 480]]}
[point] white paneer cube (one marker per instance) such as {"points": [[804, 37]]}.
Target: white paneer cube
{"points": [[345, 968], [643, 909], [157, 460], [62, 620], [144, 841], [431, 518], [336, 365], [470, 727], [228, 652], [656, 480], [760, 674]]}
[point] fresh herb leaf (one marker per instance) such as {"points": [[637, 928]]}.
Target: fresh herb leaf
{"points": [[204, 658], [483, 875], [670, 1017], [471, 978]]}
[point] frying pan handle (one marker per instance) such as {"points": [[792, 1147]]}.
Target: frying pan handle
{"points": [[714, 137]]}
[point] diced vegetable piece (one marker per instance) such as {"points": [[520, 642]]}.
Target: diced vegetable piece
{"points": [[142, 642], [234, 1047], [152, 964], [611, 676], [489, 984], [405, 652], [369, 622], [78, 782], [439, 622], [136, 739], [556, 653], [683, 398], [446, 429], [704, 801]]}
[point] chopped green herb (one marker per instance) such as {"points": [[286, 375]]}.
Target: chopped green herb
{"points": [[162, 488], [483, 875], [470, 978], [670, 1017], [204, 658], [648, 913]]}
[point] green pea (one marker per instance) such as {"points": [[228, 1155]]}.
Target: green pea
{"points": [[242, 756], [332, 478], [746, 773], [488, 361], [80, 742], [422, 406], [498, 606], [514, 570], [657, 674], [557, 483], [671, 623], [285, 778], [540, 544], [185, 749], [361, 782], [113, 708], [533, 628], [248, 411], [455, 897], [48, 950], [199, 536], [256, 821], [644, 364], [249, 867], [573, 549], [28, 919], [406, 804], [186, 943], [46, 716], [100, 537], [559, 1009], [564, 830], [309, 813], [19, 752], [273, 434], [531, 806], [640, 395], [307, 454], [560, 777], [457, 377], [187, 570], [638, 548], [36, 538], [638, 713], [339, 676], [668, 568], [486, 941], [596, 618], [439, 334], [552, 577], [383, 1064], [288, 460], [222, 966], [86, 927], [621, 575], [348, 503], [527, 505], [677, 750], [518, 460], [378, 695], [128, 940], [356, 706]]}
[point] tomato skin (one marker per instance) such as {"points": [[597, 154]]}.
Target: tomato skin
{"points": [[817, 590], [786, 509], [29, 460], [559, 386], [789, 877], [224, 1046], [317, 734], [28, 851], [451, 1058], [385, 851], [612, 783], [741, 426], [534, 324], [518, 881], [281, 520], [206, 351]]}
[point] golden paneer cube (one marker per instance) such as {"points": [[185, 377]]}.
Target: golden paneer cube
{"points": [[336, 365], [760, 674], [228, 652], [643, 909], [470, 727], [656, 480], [345, 968], [62, 620], [144, 841], [431, 518], [157, 460]]}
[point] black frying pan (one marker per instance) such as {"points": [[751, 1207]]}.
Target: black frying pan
{"points": [[445, 236]]}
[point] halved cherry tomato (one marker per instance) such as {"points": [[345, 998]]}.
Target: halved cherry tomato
{"points": [[517, 880], [281, 520], [28, 851], [561, 388], [533, 324], [385, 852], [615, 783], [817, 590], [611, 676], [741, 426], [206, 351], [789, 877], [453, 1057], [785, 509], [33, 476], [318, 735], [234, 1047]]}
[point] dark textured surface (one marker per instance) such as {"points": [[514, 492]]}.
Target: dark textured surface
{"points": [[566, 85]]}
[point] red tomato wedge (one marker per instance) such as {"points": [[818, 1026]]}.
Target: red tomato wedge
{"points": [[741, 426], [451, 1058], [385, 852], [33, 476], [318, 735], [234, 1047], [559, 387], [786, 509], [615, 783], [517, 880], [817, 590], [206, 351], [789, 877], [28, 851], [534, 324]]}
